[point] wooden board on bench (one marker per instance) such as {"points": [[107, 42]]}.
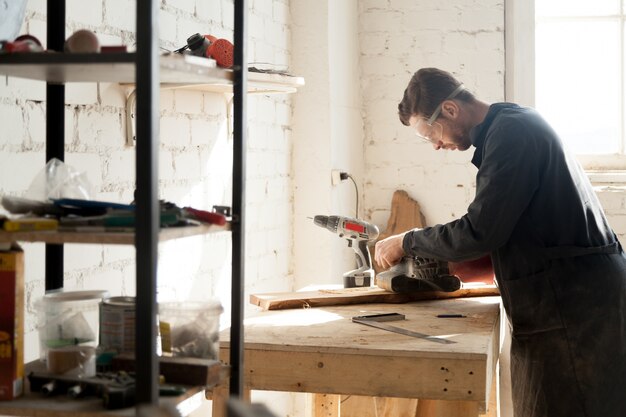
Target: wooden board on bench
{"points": [[344, 296]]}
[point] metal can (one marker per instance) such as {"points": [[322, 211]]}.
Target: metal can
{"points": [[117, 324]]}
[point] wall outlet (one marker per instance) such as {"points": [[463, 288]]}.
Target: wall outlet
{"points": [[335, 177]]}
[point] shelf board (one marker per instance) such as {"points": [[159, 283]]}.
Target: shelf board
{"points": [[258, 83], [112, 238], [38, 405], [176, 71]]}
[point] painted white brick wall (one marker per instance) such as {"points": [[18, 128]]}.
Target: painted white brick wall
{"points": [[464, 37], [194, 159]]}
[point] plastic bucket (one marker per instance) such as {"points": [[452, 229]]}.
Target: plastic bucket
{"points": [[190, 329], [68, 327]]}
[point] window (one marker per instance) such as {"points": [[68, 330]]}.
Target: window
{"points": [[570, 55]]}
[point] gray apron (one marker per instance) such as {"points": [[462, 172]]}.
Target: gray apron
{"points": [[568, 334]]}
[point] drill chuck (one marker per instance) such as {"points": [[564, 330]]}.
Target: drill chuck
{"points": [[327, 222]]}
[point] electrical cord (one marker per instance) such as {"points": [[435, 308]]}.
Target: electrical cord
{"points": [[344, 176]]}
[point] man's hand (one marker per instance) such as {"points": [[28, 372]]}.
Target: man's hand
{"points": [[389, 251]]}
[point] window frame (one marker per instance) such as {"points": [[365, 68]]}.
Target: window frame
{"points": [[519, 34]]}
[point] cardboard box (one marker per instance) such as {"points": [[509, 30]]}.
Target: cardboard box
{"points": [[11, 323]]}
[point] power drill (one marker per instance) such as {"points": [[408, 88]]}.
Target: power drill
{"points": [[355, 231]]}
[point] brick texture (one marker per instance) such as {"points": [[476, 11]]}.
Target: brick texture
{"points": [[464, 37]]}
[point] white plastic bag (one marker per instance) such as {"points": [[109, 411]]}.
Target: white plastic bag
{"points": [[59, 180]]}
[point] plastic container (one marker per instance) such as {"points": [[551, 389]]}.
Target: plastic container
{"points": [[190, 329], [68, 323]]}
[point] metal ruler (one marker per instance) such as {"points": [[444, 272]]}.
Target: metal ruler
{"points": [[372, 322]]}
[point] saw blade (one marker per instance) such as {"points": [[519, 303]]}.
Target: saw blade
{"points": [[400, 330]]}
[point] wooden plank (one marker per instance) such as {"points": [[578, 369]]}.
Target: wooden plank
{"points": [[433, 408], [377, 376], [330, 329], [347, 296], [405, 215], [396, 407], [219, 397], [360, 406], [326, 405]]}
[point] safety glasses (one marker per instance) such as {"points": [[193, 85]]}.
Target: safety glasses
{"points": [[428, 129]]}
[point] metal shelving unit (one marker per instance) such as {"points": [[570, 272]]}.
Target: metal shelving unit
{"points": [[157, 72]]}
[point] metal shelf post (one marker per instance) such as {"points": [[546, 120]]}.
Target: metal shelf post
{"points": [[147, 217], [240, 89], [55, 130]]}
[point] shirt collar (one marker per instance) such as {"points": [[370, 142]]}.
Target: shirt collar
{"points": [[479, 132]]}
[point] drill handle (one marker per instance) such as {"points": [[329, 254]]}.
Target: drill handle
{"points": [[363, 257]]}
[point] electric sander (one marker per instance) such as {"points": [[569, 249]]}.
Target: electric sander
{"points": [[414, 273]]}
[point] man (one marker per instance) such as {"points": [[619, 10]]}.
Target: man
{"points": [[559, 267]]}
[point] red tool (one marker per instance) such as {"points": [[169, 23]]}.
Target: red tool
{"points": [[23, 43], [221, 50], [204, 216]]}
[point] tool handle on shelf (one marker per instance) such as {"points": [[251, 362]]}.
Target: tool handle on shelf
{"points": [[205, 216]]}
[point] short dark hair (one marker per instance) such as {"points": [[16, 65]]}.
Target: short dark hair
{"points": [[428, 88]]}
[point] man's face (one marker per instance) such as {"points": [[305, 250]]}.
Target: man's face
{"points": [[448, 131]]}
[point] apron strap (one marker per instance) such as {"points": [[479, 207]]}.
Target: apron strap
{"points": [[572, 251]]}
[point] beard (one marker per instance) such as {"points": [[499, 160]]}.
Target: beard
{"points": [[461, 141]]}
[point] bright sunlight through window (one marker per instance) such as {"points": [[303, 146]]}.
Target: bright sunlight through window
{"points": [[579, 79]]}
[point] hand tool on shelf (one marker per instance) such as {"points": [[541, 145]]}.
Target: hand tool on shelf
{"points": [[117, 389], [204, 216], [355, 231], [190, 213], [23, 224], [78, 212], [209, 46]]}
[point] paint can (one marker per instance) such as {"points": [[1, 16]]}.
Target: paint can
{"points": [[117, 324]]}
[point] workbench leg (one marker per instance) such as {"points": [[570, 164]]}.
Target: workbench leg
{"points": [[492, 407], [326, 405], [358, 406], [362, 406], [395, 407], [440, 408], [219, 398]]}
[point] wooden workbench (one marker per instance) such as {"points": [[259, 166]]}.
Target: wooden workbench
{"points": [[320, 350]]}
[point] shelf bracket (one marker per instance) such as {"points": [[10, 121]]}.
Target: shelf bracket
{"points": [[131, 135]]}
